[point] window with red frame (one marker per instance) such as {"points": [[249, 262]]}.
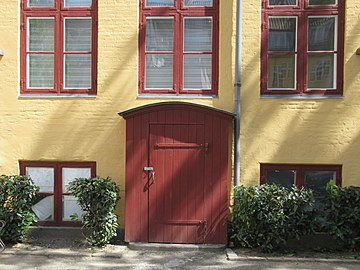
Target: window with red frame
{"points": [[311, 176], [179, 46], [54, 204], [302, 47], [58, 46]]}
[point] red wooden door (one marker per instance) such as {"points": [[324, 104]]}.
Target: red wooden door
{"points": [[176, 183], [187, 146]]}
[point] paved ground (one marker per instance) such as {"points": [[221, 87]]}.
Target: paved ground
{"points": [[121, 257]]}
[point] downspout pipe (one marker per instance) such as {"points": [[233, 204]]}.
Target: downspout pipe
{"points": [[237, 85]]}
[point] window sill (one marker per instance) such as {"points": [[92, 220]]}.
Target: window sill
{"points": [[54, 96], [173, 96], [301, 96]]}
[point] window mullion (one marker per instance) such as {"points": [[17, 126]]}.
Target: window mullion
{"points": [[179, 53], [57, 201], [300, 174], [177, 4], [302, 53], [58, 52]]}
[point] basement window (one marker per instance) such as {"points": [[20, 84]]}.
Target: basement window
{"points": [[310, 176], [55, 205]]}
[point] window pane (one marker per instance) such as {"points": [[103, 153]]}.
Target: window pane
{"points": [[69, 174], [78, 35], [322, 34], [78, 3], [159, 71], [41, 3], [41, 35], [317, 180], [78, 71], [283, 2], [206, 3], [281, 71], [41, 70], [198, 35], [43, 177], [157, 3], [159, 34], [44, 207], [71, 207], [321, 71], [322, 2], [197, 71], [282, 34], [285, 178]]}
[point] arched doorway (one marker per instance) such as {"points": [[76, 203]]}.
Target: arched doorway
{"points": [[177, 173]]}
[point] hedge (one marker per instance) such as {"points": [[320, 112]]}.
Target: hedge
{"points": [[267, 216]]}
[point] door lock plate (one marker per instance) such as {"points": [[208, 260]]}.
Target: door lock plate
{"points": [[148, 169]]}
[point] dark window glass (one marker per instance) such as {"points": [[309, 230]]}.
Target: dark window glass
{"points": [[317, 180], [282, 34], [321, 34], [285, 178], [283, 2]]}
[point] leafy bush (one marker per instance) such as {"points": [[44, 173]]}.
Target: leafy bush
{"points": [[97, 198], [16, 198], [341, 210], [300, 212], [266, 216]]}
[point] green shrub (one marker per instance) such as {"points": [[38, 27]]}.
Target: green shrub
{"points": [[300, 212], [97, 198], [16, 198], [266, 216], [341, 210]]}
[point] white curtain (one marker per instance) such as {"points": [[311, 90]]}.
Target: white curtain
{"points": [[78, 37], [159, 66], [197, 67]]}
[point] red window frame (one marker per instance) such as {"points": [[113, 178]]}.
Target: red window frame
{"points": [[300, 170], [59, 12], [57, 166], [179, 11], [302, 11]]}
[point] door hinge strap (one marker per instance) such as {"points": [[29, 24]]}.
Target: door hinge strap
{"points": [[183, 222], [181, 145]]}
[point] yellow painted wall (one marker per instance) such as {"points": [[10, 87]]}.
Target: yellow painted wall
{"points": [[313, 131], [89, 129]]}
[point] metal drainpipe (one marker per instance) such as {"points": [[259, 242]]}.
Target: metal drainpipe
{"points": [[237, 92]]}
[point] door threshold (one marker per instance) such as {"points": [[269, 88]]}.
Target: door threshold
{"points": [[167, 246]]}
